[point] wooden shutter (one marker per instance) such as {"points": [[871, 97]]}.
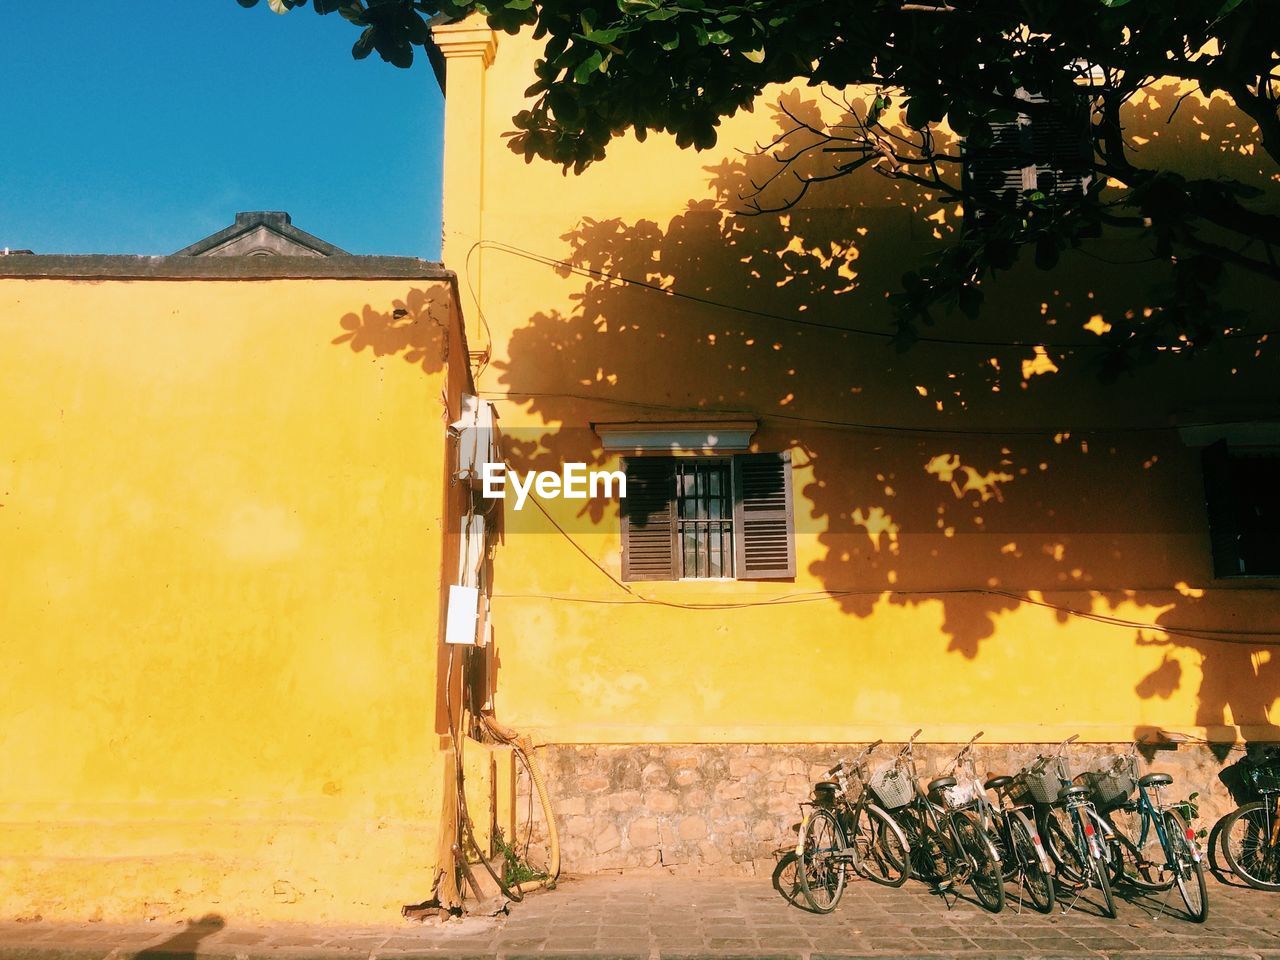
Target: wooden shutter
{"points": [[1220, 498], [1001, 169], [1061, 149], [649, 520], [1051, 152], [763, 538]]}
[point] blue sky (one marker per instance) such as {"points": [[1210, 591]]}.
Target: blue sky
{"points": [[140, 126]]}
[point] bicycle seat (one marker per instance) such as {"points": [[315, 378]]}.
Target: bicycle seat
{"points": [[941, 784], [997, 783], [1155, 780], [1069, 793]]}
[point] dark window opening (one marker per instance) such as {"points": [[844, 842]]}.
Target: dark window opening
{"points": [[1242, 491], [705, 519]]}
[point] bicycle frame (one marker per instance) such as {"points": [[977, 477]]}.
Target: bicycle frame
{"points": [[1006, 813], [841, 804], [1149, 814], [933, 814]]}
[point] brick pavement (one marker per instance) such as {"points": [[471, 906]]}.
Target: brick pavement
{"points": [[655, 916]]}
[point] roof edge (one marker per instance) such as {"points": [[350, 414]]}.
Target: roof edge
{"points": [[125, 267]]}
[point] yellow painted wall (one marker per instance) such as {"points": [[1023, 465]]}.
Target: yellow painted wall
{"points": [[221, 512], [964, 486]]}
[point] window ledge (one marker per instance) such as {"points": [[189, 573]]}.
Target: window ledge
{"points": [[676, 436]]}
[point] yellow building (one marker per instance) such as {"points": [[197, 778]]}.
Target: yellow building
{"points": [[974, 535], [225, 511], [232, 510]]}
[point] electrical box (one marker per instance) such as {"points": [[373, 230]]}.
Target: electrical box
{"points": [[462, 618]]}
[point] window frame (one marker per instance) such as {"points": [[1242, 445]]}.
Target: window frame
{"points": [[762, 517]]}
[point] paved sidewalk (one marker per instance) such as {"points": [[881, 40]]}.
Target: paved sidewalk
{"points": [[656, 916]]}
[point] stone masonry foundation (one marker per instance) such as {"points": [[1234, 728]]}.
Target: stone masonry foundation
{"points": [[728, 808]]}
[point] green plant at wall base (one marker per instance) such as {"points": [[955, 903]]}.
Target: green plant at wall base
{"points": [[515, 870], [1189, 809]]}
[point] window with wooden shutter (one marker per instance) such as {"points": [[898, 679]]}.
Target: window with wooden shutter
{"points": [[1051, 152], [1242, 493], [764, 545], [648, 520], [699, 518]]}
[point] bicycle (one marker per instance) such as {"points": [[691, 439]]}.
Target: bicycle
{"points": [[1012, 832], [947, 840], [1130, 825], [1018, 841], [1072, 830], [846, 828], [1250, 834]]}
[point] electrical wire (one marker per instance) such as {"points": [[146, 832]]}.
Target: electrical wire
{"points": [[867, 426], [484, 322], [1193, 633], [797, 321]]}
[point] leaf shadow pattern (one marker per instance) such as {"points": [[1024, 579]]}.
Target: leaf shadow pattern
{"points": [[964, 476], [414, 328]]}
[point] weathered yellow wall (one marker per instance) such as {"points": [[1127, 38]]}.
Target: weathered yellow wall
{"points": [[963, 485], [220, 549]]}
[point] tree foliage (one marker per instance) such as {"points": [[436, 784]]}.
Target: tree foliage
{"points": [[965, 66]]}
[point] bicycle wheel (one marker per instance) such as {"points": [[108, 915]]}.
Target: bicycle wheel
{"points": [[822, 861], [1131, 864], [1027, 865], [786, 879], [928, 863], [1251, 844], [882, 847], [1187, 870], [1058, 838], [1102, 880], [987, 878]]}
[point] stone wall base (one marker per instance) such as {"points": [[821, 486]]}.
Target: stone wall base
{"points": [[729, 808]]}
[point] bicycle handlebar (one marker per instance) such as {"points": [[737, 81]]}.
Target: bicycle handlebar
{"points": [[843, 763], [966, 750]]}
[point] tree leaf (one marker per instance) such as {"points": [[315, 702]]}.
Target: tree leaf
{"points": [[582, 73], [363, 46]]}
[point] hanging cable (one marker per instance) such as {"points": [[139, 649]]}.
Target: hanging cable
{"points": [[885, 335], [512, 395], [1208, 634]]}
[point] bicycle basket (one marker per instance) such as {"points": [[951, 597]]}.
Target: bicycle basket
{"points": [[1266, 779], [964, 793], [1114, 783], [1042, 781], [892, 788]]}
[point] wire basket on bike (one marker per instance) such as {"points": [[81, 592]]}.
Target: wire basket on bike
{"points": [[1042, 781], [892, 787], [1112, 785]]}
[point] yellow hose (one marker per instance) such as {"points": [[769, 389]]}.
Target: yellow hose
{"points": [[524, 746]]}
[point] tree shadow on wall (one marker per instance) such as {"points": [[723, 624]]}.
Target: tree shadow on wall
{"points": [[415, 328], [957, 476]]}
